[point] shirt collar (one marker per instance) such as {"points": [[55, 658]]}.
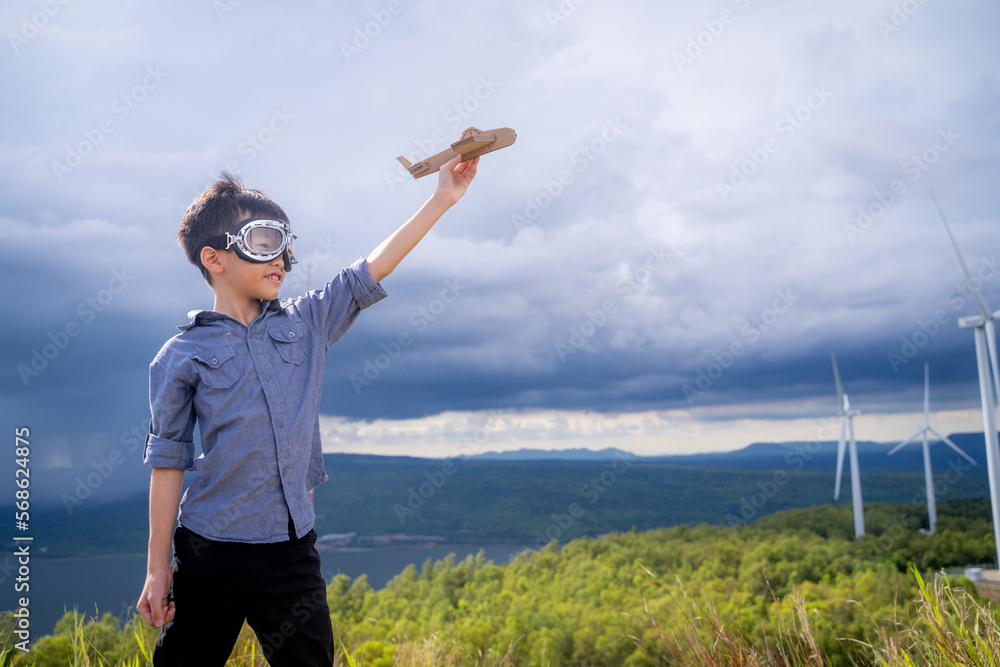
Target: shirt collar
{"points": [[196, 317]]}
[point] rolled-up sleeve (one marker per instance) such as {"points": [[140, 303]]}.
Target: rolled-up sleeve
{"points": [[170, 442], [333, 309]]}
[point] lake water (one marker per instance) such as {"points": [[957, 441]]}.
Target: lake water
{"points": [[112, 583]]}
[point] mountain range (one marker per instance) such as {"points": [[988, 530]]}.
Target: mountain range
{"points": [[531, 496]]}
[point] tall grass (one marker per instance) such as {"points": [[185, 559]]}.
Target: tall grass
{"points": [[951, 628], [947, 627], [80, 644], [704, 637]]}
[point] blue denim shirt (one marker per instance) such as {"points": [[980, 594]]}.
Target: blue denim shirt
{"points": [[254, 392]]}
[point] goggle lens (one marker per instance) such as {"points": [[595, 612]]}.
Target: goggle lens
{"points": [[264, 239], [259, 240]]}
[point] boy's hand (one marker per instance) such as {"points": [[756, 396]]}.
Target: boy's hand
{"points": [[454, 178], [153, 603]]}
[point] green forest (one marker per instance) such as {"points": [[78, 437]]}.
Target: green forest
{"points": [[530, 503], [791, 588]]}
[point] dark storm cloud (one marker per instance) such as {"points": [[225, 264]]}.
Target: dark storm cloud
{"points": [[686, 198]]}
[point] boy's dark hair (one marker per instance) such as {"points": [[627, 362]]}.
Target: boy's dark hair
{"points": [[216, 210]]}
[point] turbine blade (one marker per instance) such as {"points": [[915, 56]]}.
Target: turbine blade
{"points": [[991, 341], [961, 260], [951, 444], [906, 442], [856, 500], [836, 379], [840, 457], [854, 451]]}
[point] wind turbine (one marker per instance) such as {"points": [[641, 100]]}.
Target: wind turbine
{"points": [[989, 380], [922, 431], [847, 416]]}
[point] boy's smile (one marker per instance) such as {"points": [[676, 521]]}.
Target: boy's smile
{"points": [[242, 285], [271, 274]]}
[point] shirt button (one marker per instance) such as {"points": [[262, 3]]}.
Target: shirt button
{"points": [[291, 334], [281, 424], [214, 360], [267, 377]]}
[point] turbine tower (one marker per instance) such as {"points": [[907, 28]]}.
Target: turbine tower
{"points": [[989, 380], [847, 416], [922, 431]]}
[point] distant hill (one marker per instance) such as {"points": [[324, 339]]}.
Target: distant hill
{"points": [[534, 497], [818, 456], [577, 454], [822, 456]]}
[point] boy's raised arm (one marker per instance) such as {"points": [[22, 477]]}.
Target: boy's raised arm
{"points": [[164, 497], [453, 180]]}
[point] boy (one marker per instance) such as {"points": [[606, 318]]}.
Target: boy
{"points": [[250, 371]]}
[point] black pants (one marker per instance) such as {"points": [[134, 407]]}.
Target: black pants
{"points": [[276, 588]]}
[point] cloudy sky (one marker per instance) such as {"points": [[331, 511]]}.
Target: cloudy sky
{"points": [[704, 201]]}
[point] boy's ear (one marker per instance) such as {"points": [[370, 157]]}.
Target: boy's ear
{"points": [[211, 261]]}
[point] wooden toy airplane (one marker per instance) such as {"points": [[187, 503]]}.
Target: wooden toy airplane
{"points": [[473, 143]]}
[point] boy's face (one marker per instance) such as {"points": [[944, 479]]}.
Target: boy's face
{"points": [[247, 272], [255, 280]]}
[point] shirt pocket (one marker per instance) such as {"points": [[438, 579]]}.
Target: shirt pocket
{"points": [[289, 340], [218, 367]]}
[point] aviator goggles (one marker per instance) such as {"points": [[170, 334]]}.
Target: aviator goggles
{"points": [[259, 240]]}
